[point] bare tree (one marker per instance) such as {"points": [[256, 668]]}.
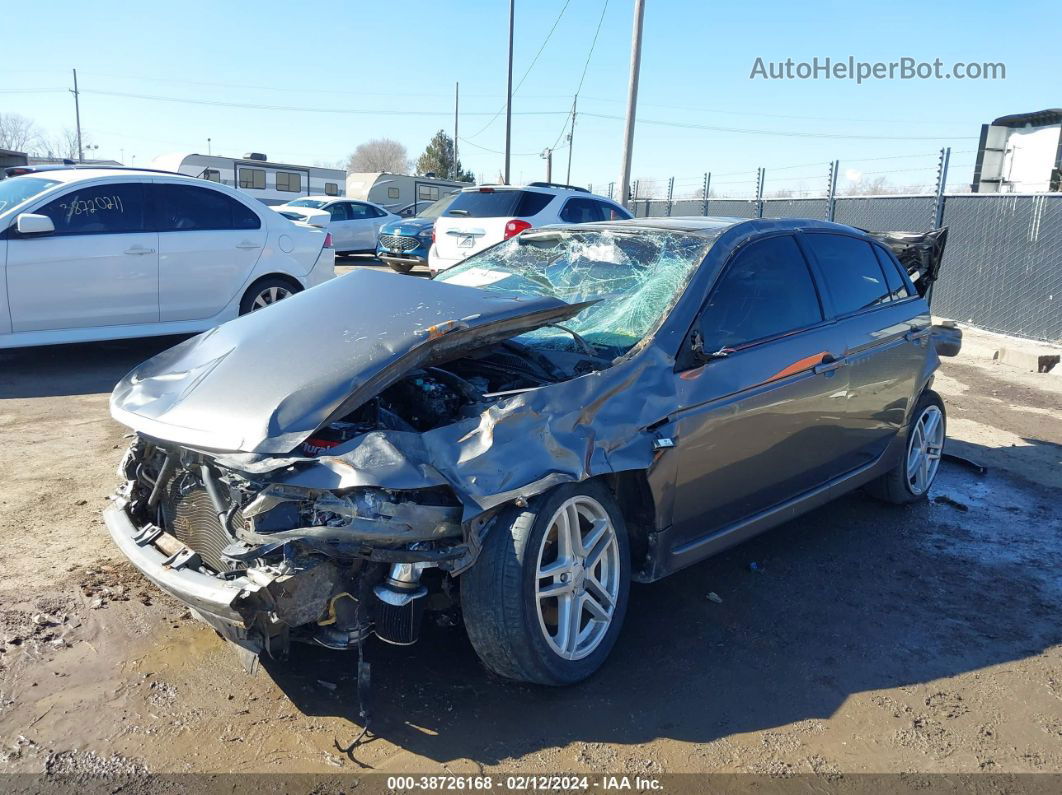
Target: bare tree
{"points": [[379, 154], [18, 133], [64, 145], [880, 186]]}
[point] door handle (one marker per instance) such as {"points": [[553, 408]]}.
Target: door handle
{"points": [[139, 251], [247, 244], [829, 364]]}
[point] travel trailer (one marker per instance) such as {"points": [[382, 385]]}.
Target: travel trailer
{"points": [[399, 192], [271, 183]]}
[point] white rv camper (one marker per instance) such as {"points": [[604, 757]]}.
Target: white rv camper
{"points": [[270, 183], [398, 192]]}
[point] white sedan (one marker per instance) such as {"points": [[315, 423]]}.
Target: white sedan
{"points": [[109, 253], [355, 225]]}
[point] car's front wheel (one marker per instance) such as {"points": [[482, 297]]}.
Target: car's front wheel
{"points": [[546, 599], [265, 292]]}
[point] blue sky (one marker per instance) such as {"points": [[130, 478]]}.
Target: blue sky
{"points": [[390, 69]]}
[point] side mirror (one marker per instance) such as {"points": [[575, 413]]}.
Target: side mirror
{"points": [[32, 224], [703, 350]]}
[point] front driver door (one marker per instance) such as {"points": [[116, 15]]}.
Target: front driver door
{"points": [[759, 424], [98, 268]]}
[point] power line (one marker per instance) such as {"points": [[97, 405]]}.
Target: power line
{"points": [[498, 151], [302, 109], [786, 133], [530, 66], [582, 77]]}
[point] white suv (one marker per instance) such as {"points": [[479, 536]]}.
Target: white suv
{"points": [[481, 216], [109, 253]]}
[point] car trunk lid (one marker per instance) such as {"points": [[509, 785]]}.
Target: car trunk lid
{"points": [[263, 383], [920, 253]]}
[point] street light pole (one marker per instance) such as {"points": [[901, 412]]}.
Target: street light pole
{"points": [[509, 94], [457, 99], [632, 102]]}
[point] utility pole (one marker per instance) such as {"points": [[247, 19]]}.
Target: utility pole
{"points": [[571, 141], [547, 155], [509, 94], [457, 99], [77, 116], [632, 101]]}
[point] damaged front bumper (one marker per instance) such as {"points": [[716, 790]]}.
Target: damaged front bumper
{"points": [[265, 562], [211, 599]]}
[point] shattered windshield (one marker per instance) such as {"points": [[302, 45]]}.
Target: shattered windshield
{"points": [[634, 275]]}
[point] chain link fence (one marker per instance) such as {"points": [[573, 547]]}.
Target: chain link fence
{"points": [[1002, 268]]}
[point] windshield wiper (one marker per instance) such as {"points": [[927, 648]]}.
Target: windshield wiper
{"points": [[587, 349]]}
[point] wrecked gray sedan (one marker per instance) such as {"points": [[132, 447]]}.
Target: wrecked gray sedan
{"points": [[520, 438]]}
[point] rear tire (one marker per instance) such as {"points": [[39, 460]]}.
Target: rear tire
{"points": [[266, 291], [541, 609], [912, 477]]}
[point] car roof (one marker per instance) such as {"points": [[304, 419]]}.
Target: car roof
{"points": [[71, 174], [552, 188], [711, 226]]}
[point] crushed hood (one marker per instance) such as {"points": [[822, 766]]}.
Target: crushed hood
{"points": [[266, 381]]}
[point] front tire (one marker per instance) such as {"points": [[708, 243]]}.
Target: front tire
{"points": [[912, 477], [546, 599]]}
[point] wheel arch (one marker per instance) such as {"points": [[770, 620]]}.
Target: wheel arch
{"points": [[634, 496]]}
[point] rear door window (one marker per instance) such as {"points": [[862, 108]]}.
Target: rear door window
{"points": [[497, 203], [894, 275], [851, 271], [581, 211], [766, 291], [113, 209], [187, 208], [359, 212], [339, 211]]}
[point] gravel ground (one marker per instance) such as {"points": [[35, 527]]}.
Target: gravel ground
{"points": [[867, 638]]}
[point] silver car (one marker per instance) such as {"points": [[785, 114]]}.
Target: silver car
{"points": [[520, 438]]}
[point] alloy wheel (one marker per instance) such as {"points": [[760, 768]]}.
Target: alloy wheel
{"points": [[924, 449], [577, 581], [270, 295]]}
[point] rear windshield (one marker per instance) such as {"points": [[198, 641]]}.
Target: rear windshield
{"points": [[436, 209], [15, 190], [498, 203]]}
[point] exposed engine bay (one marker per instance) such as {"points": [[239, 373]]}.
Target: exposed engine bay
{"points": [[332, 566]]}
